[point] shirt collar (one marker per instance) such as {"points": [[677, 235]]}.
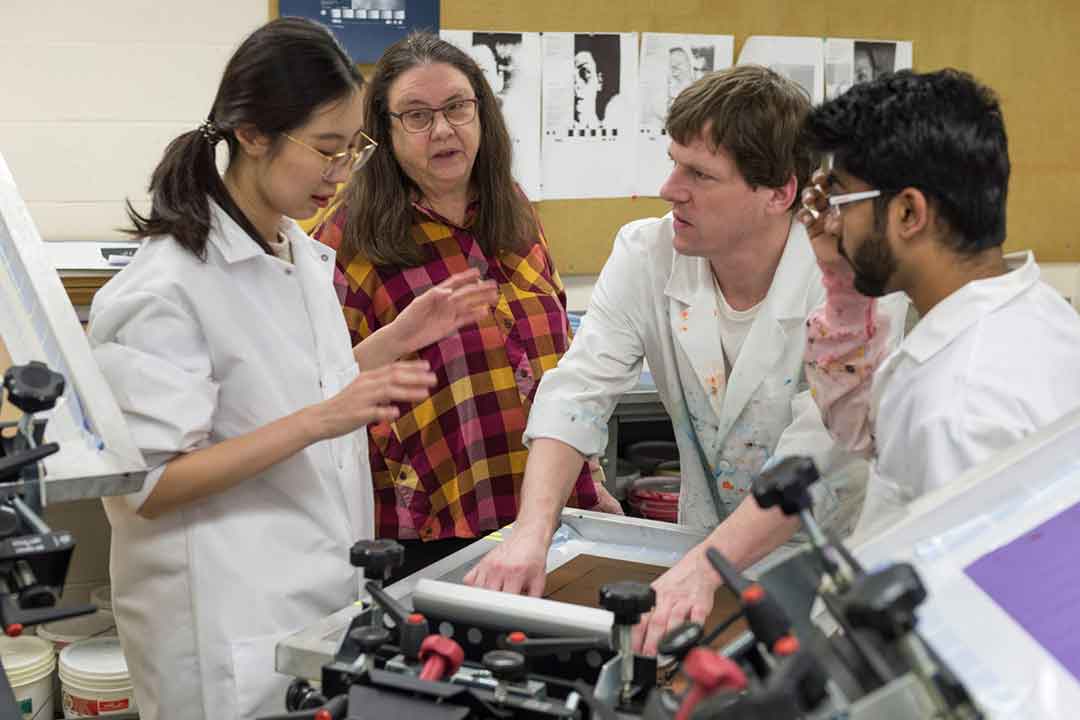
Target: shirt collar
{"points": [[952, 316], [425, 213]]}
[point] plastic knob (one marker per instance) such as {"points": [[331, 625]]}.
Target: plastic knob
{"points": [[505, 665], [709, 672], [627, 600], [369, 638], [886, 600], [377, 557], [441, 657], [787, 484], [301, 696], [33, 387], [681, 640]]}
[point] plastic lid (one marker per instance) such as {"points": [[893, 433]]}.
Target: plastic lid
{"points": [[64, 632], [26, 658], [98, 659]]}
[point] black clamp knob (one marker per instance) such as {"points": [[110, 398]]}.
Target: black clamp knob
{"points": [[378, 558], [627, 600], [681, 640], [33, 387], [886, 600], [302, 696], [368, 638], [505, 665], [787, 484]]}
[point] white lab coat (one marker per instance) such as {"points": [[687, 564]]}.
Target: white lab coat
{"points": [[195, 354], [650, 302], [993, 362]]}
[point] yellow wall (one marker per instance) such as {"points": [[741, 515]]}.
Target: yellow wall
{"points": [[1028, 51]]}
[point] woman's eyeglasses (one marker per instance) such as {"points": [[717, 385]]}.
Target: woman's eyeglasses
{"points": [[350, 159], [457, 112]]}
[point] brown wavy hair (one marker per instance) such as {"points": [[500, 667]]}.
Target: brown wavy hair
{"points": [[379, 196], [754, 113]]}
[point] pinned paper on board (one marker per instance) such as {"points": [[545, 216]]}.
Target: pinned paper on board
{"points": [[800, 59], [669, 63], [511, 63], [849, 62], [589, 114]]}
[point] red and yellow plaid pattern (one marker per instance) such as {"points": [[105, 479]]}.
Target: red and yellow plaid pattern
{"points": [[452, 465]]}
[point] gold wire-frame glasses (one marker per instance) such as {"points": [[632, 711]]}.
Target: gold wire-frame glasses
{"points": [[349, 158]]}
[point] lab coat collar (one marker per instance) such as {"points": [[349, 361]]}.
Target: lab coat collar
{"points": [[952, 316], [235, 245], [690, 281]]}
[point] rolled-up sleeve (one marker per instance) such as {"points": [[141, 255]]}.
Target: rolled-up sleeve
{"points": [[156, 361], [576, 399]]}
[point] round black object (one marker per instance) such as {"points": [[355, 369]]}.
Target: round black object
{"points": [[301, 696], [682, 640], [505, 665], [627, 600], [377, 557], [369, 638], [33, 387]]}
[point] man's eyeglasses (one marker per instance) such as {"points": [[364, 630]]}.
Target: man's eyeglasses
{"points": [[350, 159], [838, 201], [458, 112]]}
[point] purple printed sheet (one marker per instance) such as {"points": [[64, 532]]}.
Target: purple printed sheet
{"points": [[1036, 580]]}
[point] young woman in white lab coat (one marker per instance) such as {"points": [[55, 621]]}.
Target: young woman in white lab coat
{"points": [[226, 348]]}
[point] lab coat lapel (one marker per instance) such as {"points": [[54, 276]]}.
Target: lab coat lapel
{"points": [[314, 263], [693, 318], [784, 305]]}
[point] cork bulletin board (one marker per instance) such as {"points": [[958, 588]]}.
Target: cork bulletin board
{"points": [[1027, 51]]}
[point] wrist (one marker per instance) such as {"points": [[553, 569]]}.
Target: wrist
{"points": [[309, 424], [533, 530], [395, 340]]}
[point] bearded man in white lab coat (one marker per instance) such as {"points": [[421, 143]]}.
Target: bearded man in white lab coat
{"points": [[714, 296], [914, 200]]}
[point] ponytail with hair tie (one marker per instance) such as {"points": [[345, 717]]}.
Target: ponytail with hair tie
{"points": [[210, 131]]}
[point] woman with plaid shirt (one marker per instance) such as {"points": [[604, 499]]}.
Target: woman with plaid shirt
{"points": [[437, 199]]}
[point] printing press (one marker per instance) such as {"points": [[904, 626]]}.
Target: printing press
{"points": [[430, 647]]}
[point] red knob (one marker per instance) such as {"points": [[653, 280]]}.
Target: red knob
{"points": [[13, 630], [710, 672], [441, 657]]}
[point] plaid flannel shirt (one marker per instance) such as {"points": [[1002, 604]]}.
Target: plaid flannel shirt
{"points": [[452, 465]]}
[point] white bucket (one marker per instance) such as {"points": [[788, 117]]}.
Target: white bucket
{"points": [[94, 679], [29, 663], [62, 633], [102, 597]]}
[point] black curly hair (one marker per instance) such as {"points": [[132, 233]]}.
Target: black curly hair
{"points": [[942, 133]]}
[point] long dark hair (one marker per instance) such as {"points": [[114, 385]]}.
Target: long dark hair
{"points": [[380, 194], [274, 81]]}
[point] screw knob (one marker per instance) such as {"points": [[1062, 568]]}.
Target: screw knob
{"points": [[627, 600]]}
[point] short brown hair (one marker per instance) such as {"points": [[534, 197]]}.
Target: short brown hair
{"points": [[379, 197], [755, 114]]}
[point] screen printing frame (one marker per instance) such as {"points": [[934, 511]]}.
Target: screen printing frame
{"points": [[98, 456], [582, 532], [1007, 671]]}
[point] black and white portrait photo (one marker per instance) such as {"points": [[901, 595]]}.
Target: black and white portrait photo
{"points": [[597, 70]]}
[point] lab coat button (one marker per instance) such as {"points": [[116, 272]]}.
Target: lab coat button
{"points": [[325, 257]]}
